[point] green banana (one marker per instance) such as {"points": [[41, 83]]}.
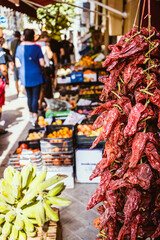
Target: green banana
{"points": [[26, 175], [2, 237], [4, 207], [8, 174], [22, 235], [6, 189], [14, 234], [32, 175], [2, 218], [17, 182], [45, 184], [40, 214], [9, 199], [6, 229], [50, 213], [29, 227], [56, 190], [33, 220], [19, 224], [10, 216], [29, 210], [28, 197], [58, 201], [38, 179], [31, 234]]}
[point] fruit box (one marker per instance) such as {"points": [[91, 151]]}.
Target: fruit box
{"points": [[36, 130], [52, 128], [59, 160], [50, 231]]}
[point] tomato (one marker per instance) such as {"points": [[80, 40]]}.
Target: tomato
{"points": [[19, 150], [56, 161], [67, 161], [24, 146]]}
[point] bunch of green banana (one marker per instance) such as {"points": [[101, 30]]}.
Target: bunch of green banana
{"points": [[25, 201]]}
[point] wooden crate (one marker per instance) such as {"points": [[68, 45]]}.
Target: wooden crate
{"points": [[50, 231]]}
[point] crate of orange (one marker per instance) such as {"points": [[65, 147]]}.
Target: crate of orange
{"points": [[57, 160], [26, 152], [58, 139]]}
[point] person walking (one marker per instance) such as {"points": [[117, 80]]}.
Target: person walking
{"points": [[46, 89], [30, 61], [64, 52], [5, 62], [13, 46]]}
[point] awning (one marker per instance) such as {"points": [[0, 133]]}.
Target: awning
{"points": [[23, 7]]}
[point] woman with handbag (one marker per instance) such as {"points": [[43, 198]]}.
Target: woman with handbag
{"points": [[30, 61]]}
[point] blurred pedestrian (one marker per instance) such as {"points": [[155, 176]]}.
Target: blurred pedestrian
{"points": [[46, 89], [30, 61], [64, 52], [5, 62], [13, 46], [71, 51]]}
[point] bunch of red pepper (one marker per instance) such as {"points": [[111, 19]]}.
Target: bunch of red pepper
{"points": [[129, 188]]}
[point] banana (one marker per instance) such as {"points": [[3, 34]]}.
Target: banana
{"points": [[2, 237], [2, 218], [45, 184], [26, 175], [17, 179], [0, 230], [31, 234], [22, 235], [38, 179], [14, 234], [29, 210], [6, 229], [9, 199], [8, 174], [56, 190], [10, 216], [50, 213], [19, 224], [40, 214], [4, 207], [28, 197], [6, 190], [33, 220], [29, 227], [58, 201]]}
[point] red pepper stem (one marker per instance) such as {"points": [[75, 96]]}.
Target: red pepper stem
{"points": [[151, 43], [145, 91], [151, 49], [149, 85], [121, 80], [127, 40], [116, 94], [153, 66]]}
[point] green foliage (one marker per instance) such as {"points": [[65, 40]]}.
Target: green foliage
{"points": [[56, 17]]}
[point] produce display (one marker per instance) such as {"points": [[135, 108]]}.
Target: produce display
{"points": [[129, 188], [86, 130], [26, 203], [63, 72], [42, 122], [35, 135], [64, 132], [58, 160], [25, 146], [86, 61]]}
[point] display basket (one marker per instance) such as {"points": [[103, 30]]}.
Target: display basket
{"points": [[19, 160], [36, 130], [59, 160], [52, 128]]}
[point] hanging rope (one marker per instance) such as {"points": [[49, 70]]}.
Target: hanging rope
{"points": [[143, 8], [134, 24]]}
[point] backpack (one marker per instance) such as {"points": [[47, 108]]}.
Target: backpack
{"points": [[2, 56]]}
